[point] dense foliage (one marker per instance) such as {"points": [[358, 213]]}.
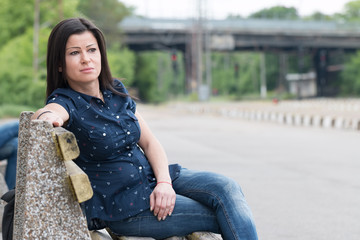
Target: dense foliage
{"points": [[106, 15], [277, 12], [153, 76], [19, 83], [156, 79]]}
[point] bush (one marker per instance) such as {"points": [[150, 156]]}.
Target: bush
{"points": [[122, 64], [350, 76], [13, 111], [18, 85], [156, 79]]}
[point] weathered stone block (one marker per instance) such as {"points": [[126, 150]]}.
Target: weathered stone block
{"points": [[44, 206], [204, 236]]}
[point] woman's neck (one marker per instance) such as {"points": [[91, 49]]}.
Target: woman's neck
{"points": [[91, 89]]}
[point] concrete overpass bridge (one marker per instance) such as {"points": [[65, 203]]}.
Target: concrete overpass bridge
{"points": [[193, 37]]}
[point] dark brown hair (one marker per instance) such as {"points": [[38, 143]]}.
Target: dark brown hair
{"points": [[56, 54]]}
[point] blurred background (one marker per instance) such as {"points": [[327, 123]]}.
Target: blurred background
{"points": [[202, 69], [204, 50]]}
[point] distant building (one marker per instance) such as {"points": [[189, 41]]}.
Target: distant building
{"points": [[302, 85]]}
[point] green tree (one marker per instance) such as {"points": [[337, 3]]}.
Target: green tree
{"points": [[352, 11], [155, 79], [277, 12], [222, 73], [16, 75], [122, 64], [15, 17], [350, 76], [18, 15], [106, 14], [349, 80], [145, 74], [50, 15], [318, 16], [235, 74], [16, 72]]}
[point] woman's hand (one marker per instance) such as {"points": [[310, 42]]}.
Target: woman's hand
{"points": [[162, 200], [51, 117], [53, 113]]}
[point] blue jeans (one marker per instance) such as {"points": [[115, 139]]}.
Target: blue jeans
{"points": [[8, 150], [205, 202]]}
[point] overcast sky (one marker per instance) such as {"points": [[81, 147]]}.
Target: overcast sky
{"points": [[219, 9]]}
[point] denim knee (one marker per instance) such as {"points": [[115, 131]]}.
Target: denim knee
{"points": [[222, 185], [13, 143], [9, 149], [228, 186]]}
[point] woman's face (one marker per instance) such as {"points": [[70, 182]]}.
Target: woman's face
{"points": [[82, 59]]}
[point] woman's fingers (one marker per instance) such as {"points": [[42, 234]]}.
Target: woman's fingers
{"points": [[172, 205], [52, 118], [162, 210], [162, 202], [152, 201]]}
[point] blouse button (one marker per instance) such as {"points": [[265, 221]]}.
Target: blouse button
{"points": [[117, 117], [129, 154], [140, 167], [104, 134], [128, 133]]}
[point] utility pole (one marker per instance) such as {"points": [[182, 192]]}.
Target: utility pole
{"points": [[203, 42], [60, 10], [36, 40], [263, 90], [283, 68], [199, 47], [208, 56]]}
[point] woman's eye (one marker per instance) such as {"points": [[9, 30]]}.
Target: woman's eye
{"points": [[74, 53], [92, 49]]}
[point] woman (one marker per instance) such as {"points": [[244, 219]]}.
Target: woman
{"points": [[136, 193]]}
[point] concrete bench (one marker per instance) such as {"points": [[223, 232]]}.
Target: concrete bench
{"points": [[104, 235], [45, 207], [49, 187]]}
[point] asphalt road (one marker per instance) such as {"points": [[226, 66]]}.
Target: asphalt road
{"points": [[300, 182]]}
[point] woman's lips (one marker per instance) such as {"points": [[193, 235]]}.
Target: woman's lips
{"points": [[85, 70]]}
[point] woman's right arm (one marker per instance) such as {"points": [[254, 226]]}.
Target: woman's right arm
{"points": [[53, 113]]}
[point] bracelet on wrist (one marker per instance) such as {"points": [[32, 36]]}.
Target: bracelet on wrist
{"points": [[43, 113], [164, 182]]}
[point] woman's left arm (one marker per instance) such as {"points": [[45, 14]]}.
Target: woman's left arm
{"points": [[162, 199]]}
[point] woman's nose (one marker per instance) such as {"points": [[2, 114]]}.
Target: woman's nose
{"points": [[85, 58]]}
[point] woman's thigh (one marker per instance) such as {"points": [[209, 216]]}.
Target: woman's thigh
{"points": [[188, 216], [223, 196], [207, 187]]}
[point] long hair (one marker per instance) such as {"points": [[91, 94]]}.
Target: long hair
{"points": [[56, 54]]}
